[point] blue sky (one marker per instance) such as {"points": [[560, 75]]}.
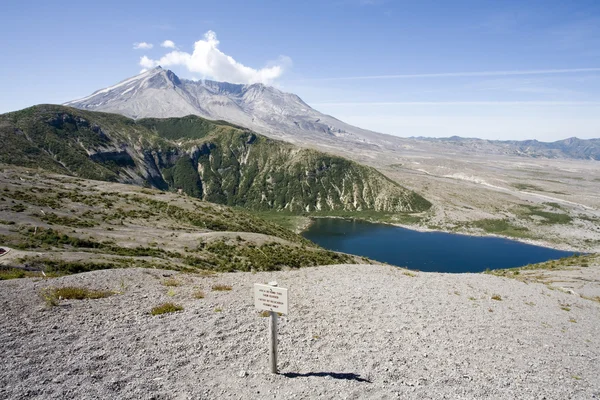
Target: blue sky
{"points": [[490, 69]]}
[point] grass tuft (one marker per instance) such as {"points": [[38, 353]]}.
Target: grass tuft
{"points": [[198, 294], [80, 293], [52, 296], [497, 297], [565, 306], [221, 288], [17, 273], [166, 308], [172, 282]]}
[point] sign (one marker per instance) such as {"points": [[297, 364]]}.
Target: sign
{"points": [[270, 298]]}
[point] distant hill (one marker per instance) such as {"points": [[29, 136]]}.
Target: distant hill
{"points": [[213, 161], [587, 149]]}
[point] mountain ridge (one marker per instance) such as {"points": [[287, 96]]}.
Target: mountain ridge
{"points": [[211, 160], [572, 147]]}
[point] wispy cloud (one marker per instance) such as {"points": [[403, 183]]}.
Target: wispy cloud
{"points": [[169, 44], [142, 46], [210, 62], [461, 103], [464, 74]]}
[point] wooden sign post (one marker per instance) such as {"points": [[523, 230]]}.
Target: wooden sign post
{"points": [[275, 300]]}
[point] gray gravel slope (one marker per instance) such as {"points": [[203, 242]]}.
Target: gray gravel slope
{"points": [[353, 332]]}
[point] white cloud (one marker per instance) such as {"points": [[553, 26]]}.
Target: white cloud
{"points": [[147, 63], [210, 62], [142, 45], [169, 44]]}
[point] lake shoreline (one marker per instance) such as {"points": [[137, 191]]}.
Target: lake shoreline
{"points": [[427, 249], [418, 228]]}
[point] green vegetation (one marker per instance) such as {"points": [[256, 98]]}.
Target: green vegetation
{"points": [[17, 273], [204, 215], [54, 219], [554, 205], [578, 260], [52, 296], [185, 177], [172, 282], [271, 256], [33, 238], [83, 218], [497, 297], [60, 267], [548, 217], [526, 186], [18, 208], [166, 308], [565, 306], [52, 137], [501, 227], [79, 293], [189, 127], [221, 288], [285, 219]]}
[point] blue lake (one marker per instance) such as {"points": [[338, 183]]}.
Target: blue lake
{"points": [[425, 251]]}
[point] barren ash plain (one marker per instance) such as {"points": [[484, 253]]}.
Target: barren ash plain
{"points": [[353, 331]]}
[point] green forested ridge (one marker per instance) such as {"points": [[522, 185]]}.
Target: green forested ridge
{"points": [[212, 160]]}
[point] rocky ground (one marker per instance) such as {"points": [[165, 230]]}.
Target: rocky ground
{"points": [[353, 331]]}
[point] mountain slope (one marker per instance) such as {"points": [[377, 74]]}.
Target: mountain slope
{"points": [[214, 161], [61, 224]]}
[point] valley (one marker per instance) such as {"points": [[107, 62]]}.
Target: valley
{"points": [[357, 199], [542, 193]]}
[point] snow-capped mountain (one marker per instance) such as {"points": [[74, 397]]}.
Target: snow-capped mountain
{"points": [[160, 93]]}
